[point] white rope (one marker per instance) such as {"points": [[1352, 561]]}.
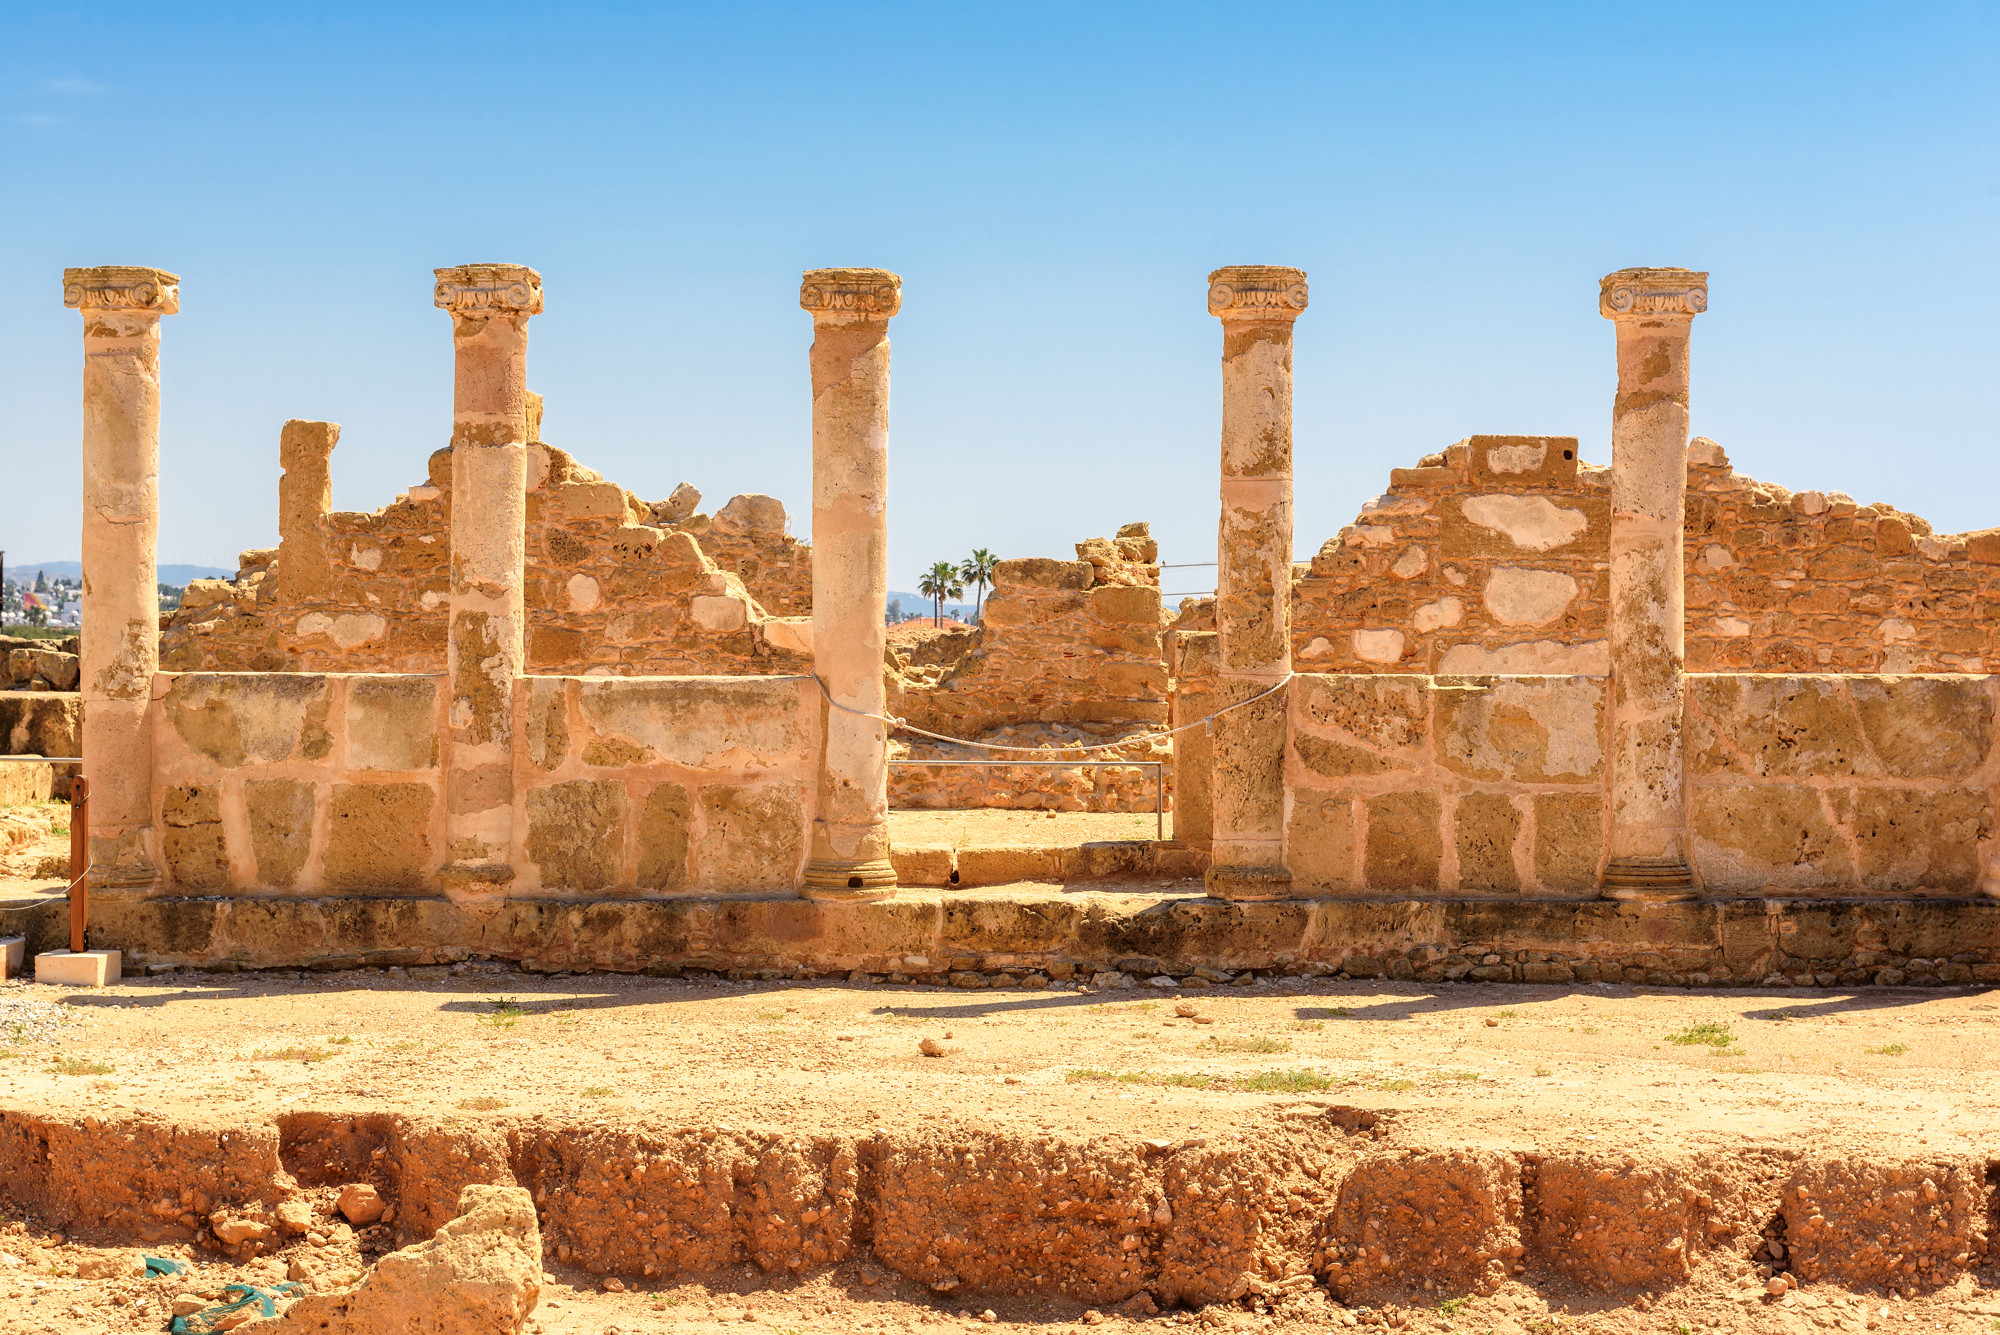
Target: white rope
{"points": [[907, 726]]}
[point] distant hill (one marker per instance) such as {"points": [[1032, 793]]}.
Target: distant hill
{"points": [[171, 574]]}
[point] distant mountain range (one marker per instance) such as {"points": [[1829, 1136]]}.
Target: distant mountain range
{"points": [[917, 602], [170, 574]]}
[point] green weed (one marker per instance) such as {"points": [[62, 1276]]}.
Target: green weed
{"points": [[291, 1054], [597, 1091], [482, 1103], [1261, 1043], [1543, 1070], [78, 1066], [1452, 1306], [1309, 1026], [1712, 1033], [1398, 1086], [1889, 1050], [505, 1013]]}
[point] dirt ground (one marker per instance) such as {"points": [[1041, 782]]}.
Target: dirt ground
{"points": [[1658, 1076]]}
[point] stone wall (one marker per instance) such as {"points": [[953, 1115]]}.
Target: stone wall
{"points": [[1842, 785], [1061, 642], [610, 589], [312, 783], [1417, 785], [1491, 557]]}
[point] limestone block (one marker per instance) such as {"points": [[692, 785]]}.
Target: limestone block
{"points": [[1569, 840], [251, 718], [1004, 865], [1774, 727], [1040, 572], [1444, 612], [719, 613], [91, 968], [683, 501], [281, 822], [1379, 646], [347, 630], [1589, 658], [1862, 1222], [1383, 712], [1334, 759], [702, 722], [1452, 1218], [13, 955], [583, 593], [1522, 597], [192, 845], [379, 837], [1485, 827], [1548, 461], [1767, 834], [575, 833], [1531, 523], [923, 866], [1404, 846], [587, 500], [1546, 730], [1926, 727], [752, 516], [546, 706], [1319, 840], [1121, 604], [663, 839], [392, 723], [791, 635], [1909, 839], [752, 838]]}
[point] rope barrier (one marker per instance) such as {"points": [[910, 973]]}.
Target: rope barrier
{"points": [[906, 726]]}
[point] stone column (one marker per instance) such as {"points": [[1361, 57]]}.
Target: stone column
{"points": [[850, 571], [121, 308], [490, 305], [1653, 311], [305, 496], [1253, 594]]}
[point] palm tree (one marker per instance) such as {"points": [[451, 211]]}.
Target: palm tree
{"points": [[977, 571], [940, 582]]}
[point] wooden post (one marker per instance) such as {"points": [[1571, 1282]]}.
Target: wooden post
{"points": [[79, 861]]}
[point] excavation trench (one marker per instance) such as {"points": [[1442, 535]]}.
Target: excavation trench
{"points": [[1323, 1196]]}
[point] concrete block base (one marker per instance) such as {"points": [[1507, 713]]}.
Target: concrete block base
{"points": [[92, 968], [13, 953]]}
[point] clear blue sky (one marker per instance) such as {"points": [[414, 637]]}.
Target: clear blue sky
{"points": [[1053, 183]]}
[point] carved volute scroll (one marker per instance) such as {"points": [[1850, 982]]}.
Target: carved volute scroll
{"points": [[851, 293], [1652, 292], [1257, 292], [122, 287], [489, 289]]}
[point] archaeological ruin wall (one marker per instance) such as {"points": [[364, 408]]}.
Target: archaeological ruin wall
{"points": [[1493, 556]]}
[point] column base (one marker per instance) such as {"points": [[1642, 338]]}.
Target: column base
{"points": [[836, 879], [1248, 885], [1649, 880]]}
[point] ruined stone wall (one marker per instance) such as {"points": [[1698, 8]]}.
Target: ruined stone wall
{"points": [[1842, 784], [1408, 784], [1492, 557], [609, 590], [332, 783], [1060, 642]]}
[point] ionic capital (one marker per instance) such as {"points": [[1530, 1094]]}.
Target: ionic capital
{"points": [[1633, 293], [1257, 292], [851, 293], [489, 289], [122, 287]]}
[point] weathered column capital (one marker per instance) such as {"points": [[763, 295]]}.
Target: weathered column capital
{"points": [[489, 289], [130, 288], [850, 294], [1632, 294], [1257, 292]]}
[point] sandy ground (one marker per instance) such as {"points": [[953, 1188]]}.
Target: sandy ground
{"points": [[1658, 1073]]}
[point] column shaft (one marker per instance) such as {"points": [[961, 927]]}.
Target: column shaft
{"points": [[121, 309], [490, 305], [305, 497], [850, 534], [1653, 311], [1253, 605]]}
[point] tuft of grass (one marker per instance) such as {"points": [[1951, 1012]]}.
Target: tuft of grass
{"points": [[59, 829], [482, 1103], [1507, 1015], [1451, 1307], [405, 1045], [1712, 1033], [1398, 1086], [78, 1066], [1590, 1029], [770, 1015], [342, 1039], [291, 1054], [1288, 1082], [1326, 1013], [666, 1300], [1543, 1070], [1890, 1050], [1460, 1076], [505, 1013], [597, 1091], [1309, 1026], [1261, 1043]]}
